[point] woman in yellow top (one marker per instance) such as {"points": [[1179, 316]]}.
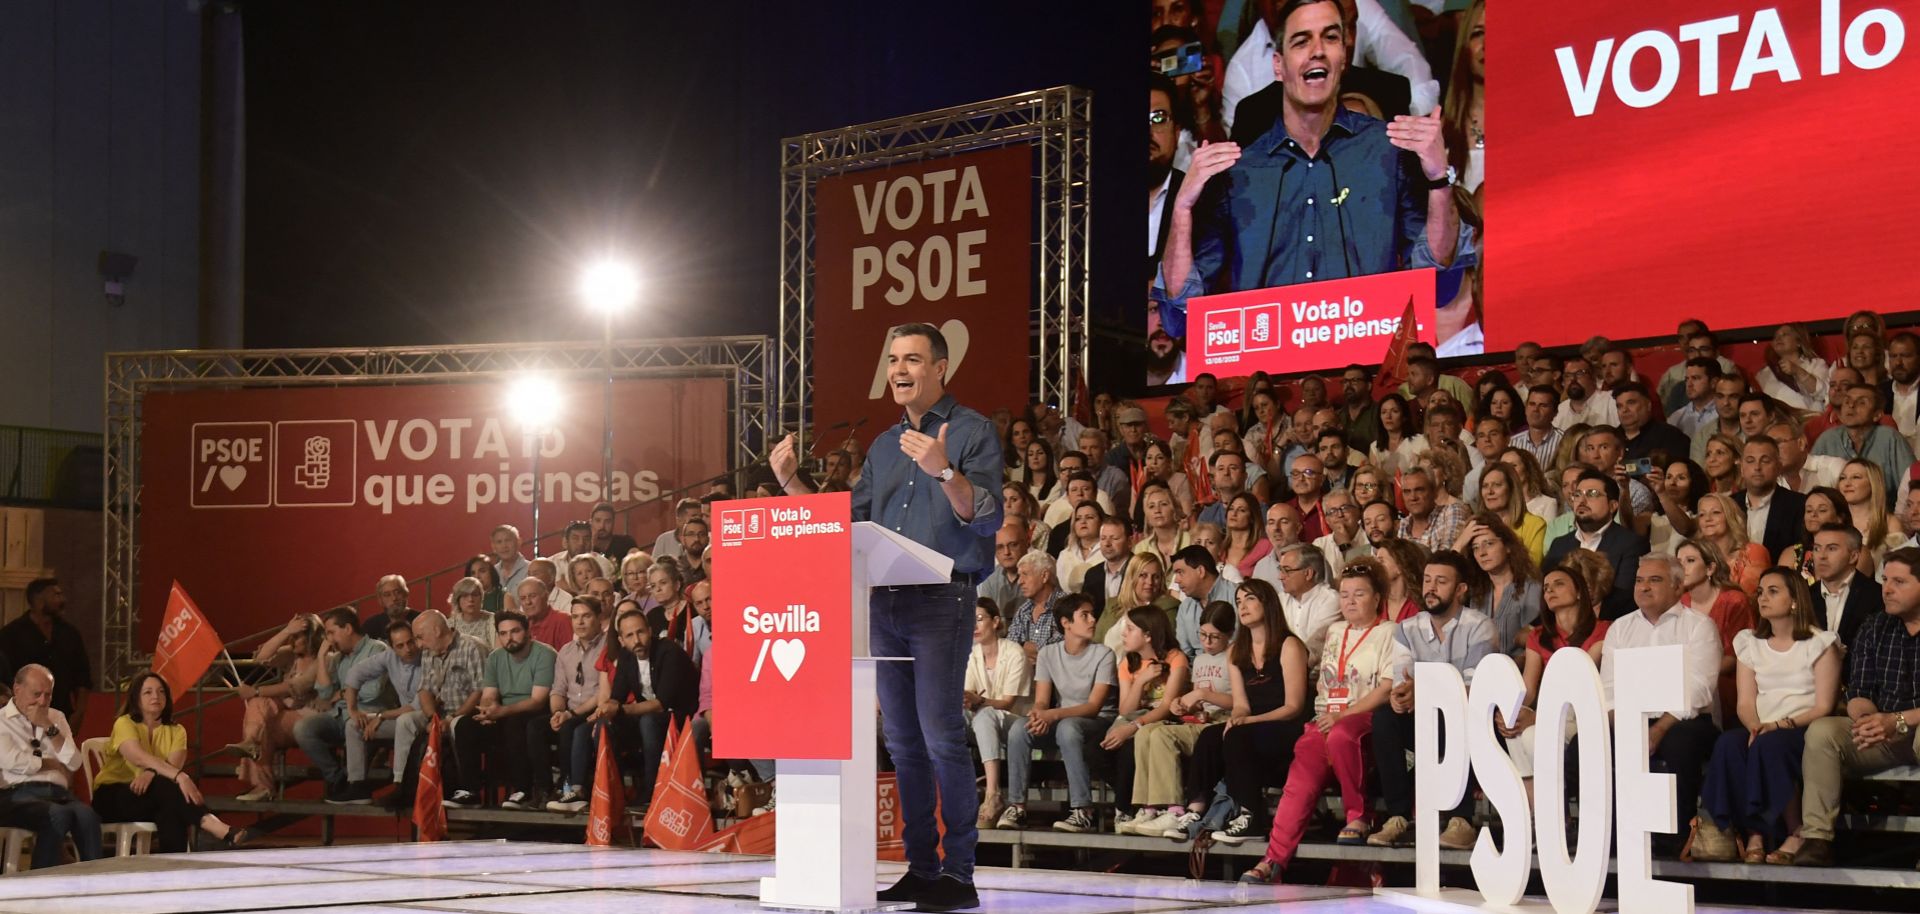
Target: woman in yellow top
{"points": [[141, 779]]}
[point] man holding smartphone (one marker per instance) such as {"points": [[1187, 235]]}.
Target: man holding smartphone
{"points": [[933, 477]]}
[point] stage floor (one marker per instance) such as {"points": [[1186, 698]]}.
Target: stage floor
{"points": [[530, 878]]}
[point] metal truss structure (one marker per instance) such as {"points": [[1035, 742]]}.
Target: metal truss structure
{"points": [[746, 362], [1056, 121]]}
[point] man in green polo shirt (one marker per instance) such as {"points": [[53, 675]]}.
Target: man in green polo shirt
{"points": [[509, 728]]}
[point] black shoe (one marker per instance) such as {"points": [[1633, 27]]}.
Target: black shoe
{"points": [[355, 793], [909, 888], [336, 792], [948, 894], [401, 797]]}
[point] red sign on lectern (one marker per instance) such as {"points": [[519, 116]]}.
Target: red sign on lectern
{"points": [[782, 628]]}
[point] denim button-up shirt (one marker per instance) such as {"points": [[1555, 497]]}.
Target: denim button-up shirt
{"points": [[894, 492]]}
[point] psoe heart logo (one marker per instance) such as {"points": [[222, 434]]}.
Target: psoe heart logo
{"points": [[787, 653], [232, 465]]}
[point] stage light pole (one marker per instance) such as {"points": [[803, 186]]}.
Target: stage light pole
{"points": [[534, 403], [609, 287]]}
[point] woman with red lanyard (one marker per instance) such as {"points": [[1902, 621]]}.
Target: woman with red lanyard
{"points": [[1355, 676]]}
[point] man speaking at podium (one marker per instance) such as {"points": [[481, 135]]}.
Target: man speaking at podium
{"points": [[934, 478]]}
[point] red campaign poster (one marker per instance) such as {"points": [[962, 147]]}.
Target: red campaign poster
{"points": [[1733, 160], [1307, 327], [945, 241], [264, 503], [782, 635]]}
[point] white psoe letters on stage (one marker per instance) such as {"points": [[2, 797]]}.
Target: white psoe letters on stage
{"points": [[1570, 688]]}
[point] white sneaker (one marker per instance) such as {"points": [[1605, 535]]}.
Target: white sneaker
{"points": [[1015, 817], [1153, 826], [461, 799], [1081, 820], [1181, 828], [1238, 830], [518, 800], [1123, 823]]}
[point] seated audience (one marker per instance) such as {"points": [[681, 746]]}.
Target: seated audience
{"points": [[1401, 561], [1161, 531], [633, 577], [543, 606], [1507, 589], [1158, 751], [508, 563], [1082, 548], [1105, 579], [1245, 546], [467, 610], [1161, 466], [391, 592], [1500, 495], [504, 739], [1146, 585], [653, 685], [1353, 681], [1680, 742], [1721, 521], [1343, 542], [1448, 632], [1825, 505], [452, 669], [1002, 585], [1198, 577], [1866, 493], [1706, 586], [614, 546], [1307, 597], [1568, 620], [1152, 672], [1680, 485], [396, 673], [1789, 673], [1861, 436], [1035, 621], [574, 697], [141, 779], [344, 649], [1267, 675], [39, 755], [1881, 728], [1848, 596], [1596, 501], [493, 594], [271, 711], [1074, 704], [1431, 525], [998, 693], [1772, 511]]}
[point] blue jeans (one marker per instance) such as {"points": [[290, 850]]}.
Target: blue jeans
{"points": [[51, 813], [317, 735], [923, 721], [1076, 738]]}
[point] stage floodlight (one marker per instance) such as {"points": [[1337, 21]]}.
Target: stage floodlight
{"points": [[609, 286], [534, 403]]}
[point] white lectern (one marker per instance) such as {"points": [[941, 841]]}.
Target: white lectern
{"points": [[824, 833]]}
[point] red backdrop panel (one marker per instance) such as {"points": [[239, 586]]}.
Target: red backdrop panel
{"points": [[1780, 200], [945, 242], [263, 503], [782, 627]]}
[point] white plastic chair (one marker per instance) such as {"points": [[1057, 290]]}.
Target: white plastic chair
{"points": [[15, 843], [128, 837]]}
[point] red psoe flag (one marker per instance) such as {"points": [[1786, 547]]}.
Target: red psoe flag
{"points": [[607, 814], [752, 835], [187, 643], [428, 815], [1393, 365], [679, 818]]}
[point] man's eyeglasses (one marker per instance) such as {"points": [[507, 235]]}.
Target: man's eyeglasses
{"points": [[1367, 486], [1158, 117], [1591, 493], [1294, 570], [1335, 510], [1303, 474]]}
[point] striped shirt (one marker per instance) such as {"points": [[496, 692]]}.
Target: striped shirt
{"points": [[454, 676]]}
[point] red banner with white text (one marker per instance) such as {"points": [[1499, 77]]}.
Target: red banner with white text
{"points": [[782, 627], [1308, 327], [264, 503], [1733, 160], [945, 242]]}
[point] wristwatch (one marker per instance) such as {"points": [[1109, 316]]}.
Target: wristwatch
{"points": [[946, 475], [1445, 181], [1900, 724]]}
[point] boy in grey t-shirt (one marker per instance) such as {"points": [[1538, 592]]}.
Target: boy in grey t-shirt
{"points": [[1074, 702]]}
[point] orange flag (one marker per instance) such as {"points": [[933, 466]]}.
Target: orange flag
{"points": [[607, 814], [1393, 365], [752, 835], [679, 818], [428, 815], [187, 643]]}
